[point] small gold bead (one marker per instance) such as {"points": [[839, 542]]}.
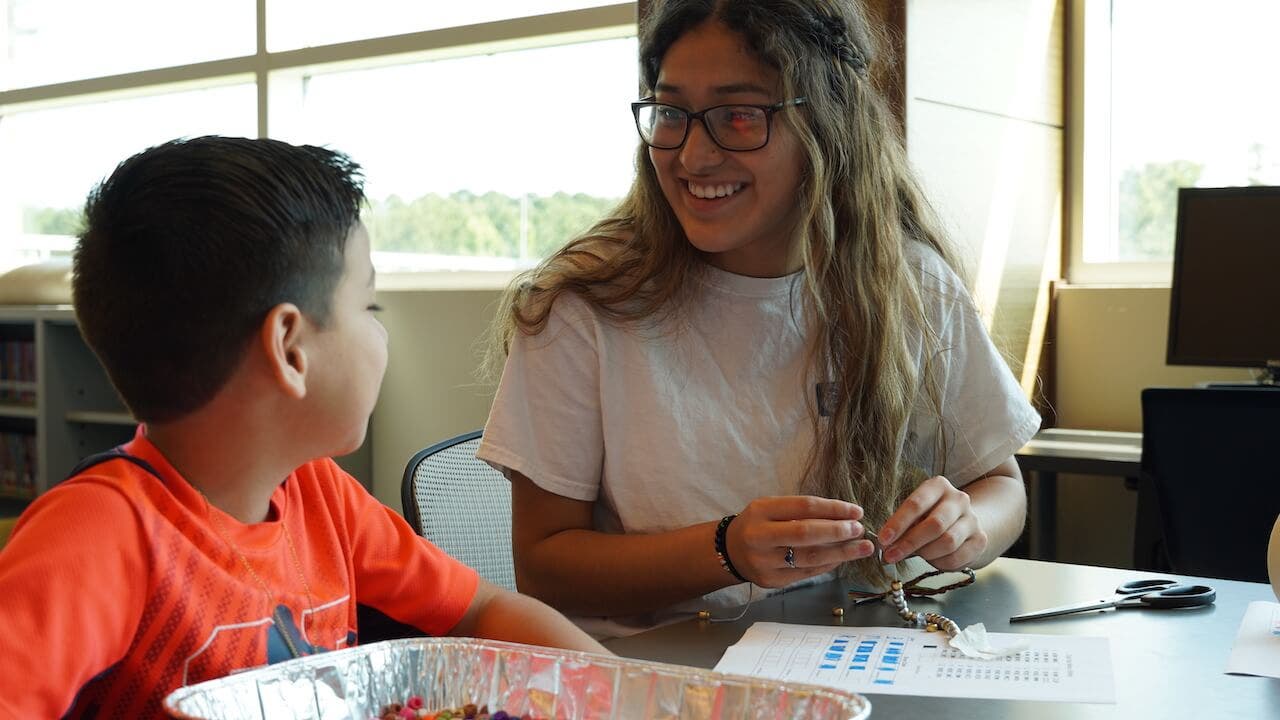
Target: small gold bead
{"points": [[931, 627], [704, 614], [837, 611]]}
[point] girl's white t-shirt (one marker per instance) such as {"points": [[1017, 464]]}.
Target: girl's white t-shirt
{"points": [[663, 429]]}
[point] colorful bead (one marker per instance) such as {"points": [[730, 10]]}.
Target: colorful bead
{"points": [[414, 707]]}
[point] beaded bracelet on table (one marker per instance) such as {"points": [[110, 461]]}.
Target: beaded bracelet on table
{"points": [[898, 592]]}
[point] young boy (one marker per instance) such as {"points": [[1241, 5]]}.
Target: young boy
{"points": [[227, 288]]}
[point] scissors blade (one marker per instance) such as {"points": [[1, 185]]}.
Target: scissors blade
{"points": [[1066, 610]]}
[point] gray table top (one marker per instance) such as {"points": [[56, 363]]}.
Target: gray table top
{"points": [[1089, 452], [1167, 663]]}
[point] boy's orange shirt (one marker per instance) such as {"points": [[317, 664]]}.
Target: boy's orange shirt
{"points": [[119, 585]]}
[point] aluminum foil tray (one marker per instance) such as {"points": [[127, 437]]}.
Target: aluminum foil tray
{"points": [[357, 682]]}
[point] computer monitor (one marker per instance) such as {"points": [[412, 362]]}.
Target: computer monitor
{"points": [[1225, 304]]}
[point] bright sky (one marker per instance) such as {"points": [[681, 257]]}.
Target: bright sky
{"points": [[1196, 80], [533, 121], [539, 121]]}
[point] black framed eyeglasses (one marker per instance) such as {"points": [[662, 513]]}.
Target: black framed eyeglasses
{"points": [[732, 127]]}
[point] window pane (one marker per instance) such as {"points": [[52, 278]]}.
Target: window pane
{"points": [[293, 24], [52, 158], [1193, 103], [51, 41], [495, 156]]}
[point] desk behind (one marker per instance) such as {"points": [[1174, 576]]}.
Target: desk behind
{"points": [[1083, 452], [1087, 452], [1167, 663]]}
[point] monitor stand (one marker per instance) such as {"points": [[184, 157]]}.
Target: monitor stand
{"points": [[1268, 378]]}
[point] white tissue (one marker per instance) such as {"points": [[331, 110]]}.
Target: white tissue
{"points": [[973, 642]]}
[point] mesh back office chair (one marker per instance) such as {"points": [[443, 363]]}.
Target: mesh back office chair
{"points": [[462, 505], [1209, 456]]}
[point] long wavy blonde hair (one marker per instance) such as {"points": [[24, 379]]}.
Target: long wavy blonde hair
{"points": [[859, 207]]}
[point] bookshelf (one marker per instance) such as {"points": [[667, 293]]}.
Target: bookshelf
{"points": [[56, 404]]}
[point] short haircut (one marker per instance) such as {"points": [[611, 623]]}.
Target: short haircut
{"points": [[186, 248]]}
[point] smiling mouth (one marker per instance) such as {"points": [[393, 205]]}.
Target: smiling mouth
{"points": [[713, 192]]}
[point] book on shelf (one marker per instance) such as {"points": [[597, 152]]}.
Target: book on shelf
{"points": [[17, 464], [17, 370]]}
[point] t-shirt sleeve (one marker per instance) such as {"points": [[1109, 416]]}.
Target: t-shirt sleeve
{"points": [[401, 574], [986, 417], [545, 422], [71, 595]]}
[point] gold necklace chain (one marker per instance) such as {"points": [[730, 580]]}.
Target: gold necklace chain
{"points": [[266, 590]]}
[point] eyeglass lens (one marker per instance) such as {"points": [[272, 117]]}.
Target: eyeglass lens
{"points": [[733, 127]]}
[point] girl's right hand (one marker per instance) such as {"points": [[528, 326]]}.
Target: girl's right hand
{"points": [[821, 533]]}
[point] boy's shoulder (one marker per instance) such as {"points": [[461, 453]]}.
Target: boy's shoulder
{"points": [[114, 472], [322, 482], [107, 507], [327, 473], [113, 490], [135, 479]]}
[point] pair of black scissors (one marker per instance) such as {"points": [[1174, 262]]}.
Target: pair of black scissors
{"points": [[1148, 593]]}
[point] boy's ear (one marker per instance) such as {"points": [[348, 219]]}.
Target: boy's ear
{"points": [[282, 337]]}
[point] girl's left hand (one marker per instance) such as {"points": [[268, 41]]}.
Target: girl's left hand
{"points": [[937, 523]]}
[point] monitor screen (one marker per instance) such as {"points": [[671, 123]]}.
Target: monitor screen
{"points": [[1225, 304]]}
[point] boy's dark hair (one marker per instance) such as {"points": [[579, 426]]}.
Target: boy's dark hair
{"points": [[189, 244]]}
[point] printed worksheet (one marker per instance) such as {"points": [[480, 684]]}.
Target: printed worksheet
{"points": [[1257, 647], [907, 661]]}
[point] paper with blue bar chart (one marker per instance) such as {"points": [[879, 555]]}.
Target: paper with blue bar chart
{"points": [[902, 661]]}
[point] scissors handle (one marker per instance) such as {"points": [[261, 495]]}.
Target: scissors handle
{"points": [[1175, 597], [1145, 586], [1152, 593]]}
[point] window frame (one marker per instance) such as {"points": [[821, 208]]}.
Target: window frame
{"points": [[606, 22], [1092, 191]]}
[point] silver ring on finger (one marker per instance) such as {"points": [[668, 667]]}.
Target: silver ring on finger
{"points": [[789, 557]]}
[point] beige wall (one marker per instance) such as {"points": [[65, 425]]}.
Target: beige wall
{"points": [[985, 133], [1110, 345], [430, 392]]}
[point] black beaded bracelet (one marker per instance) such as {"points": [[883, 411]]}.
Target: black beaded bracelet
{"points": [[722, 548]]}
